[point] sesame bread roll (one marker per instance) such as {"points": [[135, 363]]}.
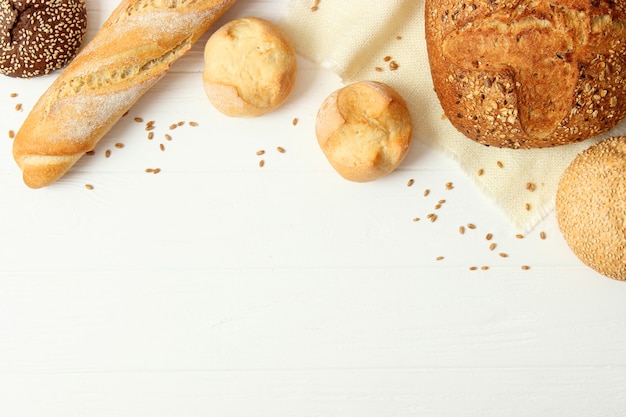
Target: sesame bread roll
{"points": [[590, 205], [40, 36], [135, 47]]}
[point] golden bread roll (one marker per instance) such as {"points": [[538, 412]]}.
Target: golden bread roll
{"points": [[591, 207], [250, 68], [529, 73], [133, 49], [364, 129]]}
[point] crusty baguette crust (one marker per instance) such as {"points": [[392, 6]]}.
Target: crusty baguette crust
{"points": [[529, 73], [134, 48]]}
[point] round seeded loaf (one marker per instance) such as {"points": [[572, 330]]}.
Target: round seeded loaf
{"points": [[529, 73], [591, 207]]}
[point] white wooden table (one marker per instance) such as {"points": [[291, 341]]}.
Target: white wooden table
{"points": [[221, 288]]}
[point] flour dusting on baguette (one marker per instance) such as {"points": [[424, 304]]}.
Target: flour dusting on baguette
{"points": [[134, 48]]}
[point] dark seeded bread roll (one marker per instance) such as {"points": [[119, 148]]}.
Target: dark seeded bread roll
{"points": [[529, 73], [39, 36]]}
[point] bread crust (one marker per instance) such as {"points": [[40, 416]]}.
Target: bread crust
{"points": [[590, 207], [364, 129], [528, 73], [134, 48], [250, 68], [40, 36]]}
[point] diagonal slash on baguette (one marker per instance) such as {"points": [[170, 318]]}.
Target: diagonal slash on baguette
{"points": [[135, 48]]}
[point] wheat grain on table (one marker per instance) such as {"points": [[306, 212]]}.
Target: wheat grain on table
{"points": [[220, 285]]}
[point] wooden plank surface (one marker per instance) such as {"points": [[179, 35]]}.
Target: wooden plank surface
{"points": [[221, 288]]}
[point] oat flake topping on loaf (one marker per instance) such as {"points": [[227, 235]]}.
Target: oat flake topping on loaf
{"points": [[529, 73]]}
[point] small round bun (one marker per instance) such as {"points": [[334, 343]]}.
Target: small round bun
{"points": [[250, 68], [40, 36], [364, 129], [591, 207]]}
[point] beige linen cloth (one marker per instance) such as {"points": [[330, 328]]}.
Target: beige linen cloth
{"points": [[363, 40]]}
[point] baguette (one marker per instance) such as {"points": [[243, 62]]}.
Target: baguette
{"points": [[135, 48]]}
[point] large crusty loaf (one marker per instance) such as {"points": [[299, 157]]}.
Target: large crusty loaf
{"points": [[529, 73], [134, 48]]}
